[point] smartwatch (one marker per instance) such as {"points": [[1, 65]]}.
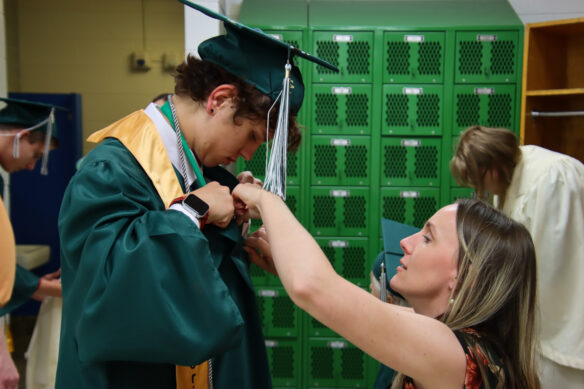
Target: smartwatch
{"points": [[196, 207]]}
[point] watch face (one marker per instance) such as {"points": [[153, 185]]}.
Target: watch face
{"points": [[198, 205]]}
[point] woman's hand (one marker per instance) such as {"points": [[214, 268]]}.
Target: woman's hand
{"points": [[258, 249], [241, 214], [249, 195]]}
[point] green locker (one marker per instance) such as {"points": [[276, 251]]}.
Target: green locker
{"points": [[461, 193], [285, 359], [314, 328], [335, 363], [413, 206], [280, 316], [341, 160], [410, 161], [413, 57], [350, 258], [350, 51], [487, 56], [341, 109], [292, 201], [412, 110], [257, 165], [486, 105], [339, 211]]}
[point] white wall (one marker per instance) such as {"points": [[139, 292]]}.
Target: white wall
{"points": [[531, 11]]}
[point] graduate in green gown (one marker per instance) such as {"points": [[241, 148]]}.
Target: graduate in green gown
{"points": [[156, 285], [27, 134]]}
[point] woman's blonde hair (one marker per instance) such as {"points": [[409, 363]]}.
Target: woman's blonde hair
{"points": [[496, 292], [481, 149]]}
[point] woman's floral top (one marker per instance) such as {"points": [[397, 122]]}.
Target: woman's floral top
{"points": [[478, 357]]}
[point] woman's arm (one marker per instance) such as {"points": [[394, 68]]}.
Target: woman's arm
{"points": [[416, 345]]}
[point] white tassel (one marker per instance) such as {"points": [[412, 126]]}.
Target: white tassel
{"points": [[275, 179], [16, 145], [48, 139]]}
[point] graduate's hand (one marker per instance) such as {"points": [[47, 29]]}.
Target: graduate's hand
{"points": [[241, 214], [258, 249], [49, 285], [220, 203], [8, 373], [246, 177], [250, 196]]}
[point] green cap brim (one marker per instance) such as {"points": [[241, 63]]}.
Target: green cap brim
{"points": [[26, 113]]}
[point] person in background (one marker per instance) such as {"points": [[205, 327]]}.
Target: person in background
{"points": [[469, 276], [24, 139], [543, 190], [157, 291]]}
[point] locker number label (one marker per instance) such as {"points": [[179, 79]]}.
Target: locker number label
{"points": [[341, 90], [410, 194], [343, 38], [414, 38], [340, 142], [411, 143], [340, 193], [338, 243], [486, 38], [413, 91]]}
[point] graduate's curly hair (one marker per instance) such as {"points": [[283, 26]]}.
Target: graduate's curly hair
{"points": [[197, 78]]}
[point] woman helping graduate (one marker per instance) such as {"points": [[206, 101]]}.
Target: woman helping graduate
{"points": [[156, 289], [469, 276]]}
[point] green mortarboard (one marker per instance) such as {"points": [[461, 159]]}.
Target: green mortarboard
{"points": [[27, 114], [256, 57], [393, 233], [32, 116]]}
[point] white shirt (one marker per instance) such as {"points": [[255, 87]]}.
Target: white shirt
{"points": [[170, 144], [547, 196]]}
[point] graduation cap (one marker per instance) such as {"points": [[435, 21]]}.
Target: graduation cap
{"points": [[393, 233], [31, 116], [266, 63]]}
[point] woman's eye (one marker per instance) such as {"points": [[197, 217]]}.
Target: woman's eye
{"points": [[426, 239]]}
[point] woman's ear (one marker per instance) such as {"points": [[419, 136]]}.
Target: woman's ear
{"points": [[224, 93]]}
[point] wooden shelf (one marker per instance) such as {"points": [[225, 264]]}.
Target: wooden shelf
{"points": [[553, 81], [555, 92]]}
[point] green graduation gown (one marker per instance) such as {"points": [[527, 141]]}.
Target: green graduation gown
{"points": [[143, 288], [25, 282]]}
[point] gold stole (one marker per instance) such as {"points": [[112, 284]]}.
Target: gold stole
{"points": [[7, 256], [140, 136]]}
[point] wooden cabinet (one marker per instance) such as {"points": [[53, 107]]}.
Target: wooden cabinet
{"points": [[552, 107]]}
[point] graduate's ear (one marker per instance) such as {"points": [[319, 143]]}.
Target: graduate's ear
{"points": [[221, 95], [25, 135]]}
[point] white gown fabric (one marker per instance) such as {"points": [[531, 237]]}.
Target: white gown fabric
{"points": [[547, 195]]}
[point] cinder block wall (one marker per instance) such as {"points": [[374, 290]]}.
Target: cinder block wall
{"points": [[64, 46]]}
